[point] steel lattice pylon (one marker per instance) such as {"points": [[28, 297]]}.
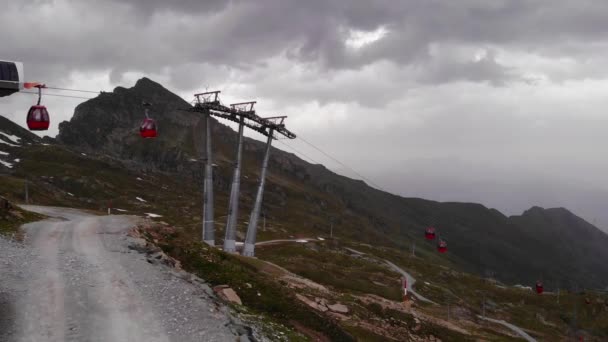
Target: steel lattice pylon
{"points": [[208, 103]]}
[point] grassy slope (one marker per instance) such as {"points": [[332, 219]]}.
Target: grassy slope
{"points": [[520, 307], [10, 221], [94, 182]]}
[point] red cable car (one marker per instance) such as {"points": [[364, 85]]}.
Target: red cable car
{"points": [[442, 246], [539, 287], [38, 117], [147, 129], [429, 233]]}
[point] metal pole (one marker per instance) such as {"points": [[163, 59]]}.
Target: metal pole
{"points": [[448, 310], [249, 249], [233, 206], [208, 229], [414, 248], [574, 324], [264, 227], [27, 194], [331, 229]]}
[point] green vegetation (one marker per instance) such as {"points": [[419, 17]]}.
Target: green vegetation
{"points": [[302, 207], [11, 220], [365, 335], [541, 314], [259, 292], [329, 266]]}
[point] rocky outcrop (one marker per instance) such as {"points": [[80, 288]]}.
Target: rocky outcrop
{"points": [[109, 124], [226, 293], [338, 308], [154, 254], [319, 306]]}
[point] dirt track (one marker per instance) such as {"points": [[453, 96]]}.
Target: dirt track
{"points": [[77, 280]]}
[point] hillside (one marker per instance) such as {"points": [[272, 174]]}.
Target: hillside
{"points": [[75, 176], [304, 197]]}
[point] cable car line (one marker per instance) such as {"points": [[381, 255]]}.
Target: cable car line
{"points": [[76, 90], [152, 127], [57, 95], [148, 128], [298, 152], [38, 116], [341, 163]]}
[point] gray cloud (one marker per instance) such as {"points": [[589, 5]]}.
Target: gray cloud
{"points": [[148, 35], [488, 94]]}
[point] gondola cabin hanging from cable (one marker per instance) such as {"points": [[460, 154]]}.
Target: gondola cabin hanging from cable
{"points": [[539, 287], [148, 128], [38, 117], [429, 233], [442, 246]]}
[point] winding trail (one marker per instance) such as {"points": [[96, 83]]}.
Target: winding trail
{"points": [[513, 328], [410, 282], [85, 284], [273, 242]]}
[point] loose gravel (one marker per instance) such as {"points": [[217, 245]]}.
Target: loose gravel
{"points": [[78, 280]]}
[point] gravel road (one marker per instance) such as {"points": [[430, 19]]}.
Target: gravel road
{"points": [[75, 279], [410, 282]]}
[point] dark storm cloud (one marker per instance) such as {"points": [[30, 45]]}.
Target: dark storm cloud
{"points": [[149, 35], [503, 85]]}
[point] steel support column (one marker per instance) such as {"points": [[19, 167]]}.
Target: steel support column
{"points": [[208, 221], [249, 249], [233, 206]]}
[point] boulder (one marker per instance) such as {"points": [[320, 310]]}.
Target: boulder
{"points": [[339, 308], [162, 258], [228, 294], [312, 304]]}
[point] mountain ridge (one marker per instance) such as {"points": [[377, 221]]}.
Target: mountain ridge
{"points": [[480, 239]]}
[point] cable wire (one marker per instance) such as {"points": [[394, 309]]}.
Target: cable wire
{"points": [[298, 152], [76, 90], [341, 163], [58, 95]]}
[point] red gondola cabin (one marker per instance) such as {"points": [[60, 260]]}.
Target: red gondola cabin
{"points": [[148, 128], [539, 287], [442, 246], [38, 118], [429, 233]]}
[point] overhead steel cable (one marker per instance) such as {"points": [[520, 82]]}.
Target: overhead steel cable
{"points": [[58, 95], [75, 90], [298, 152], [341, 163]]}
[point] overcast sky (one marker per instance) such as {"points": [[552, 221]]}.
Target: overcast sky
{"points": [[499, 102]]}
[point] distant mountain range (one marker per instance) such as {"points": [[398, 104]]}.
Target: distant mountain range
{"points": [[550, 244]]}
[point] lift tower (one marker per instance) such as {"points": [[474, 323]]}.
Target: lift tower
{"points": [[273, 124], [245, 108], [244, 115], [209, 99]]}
